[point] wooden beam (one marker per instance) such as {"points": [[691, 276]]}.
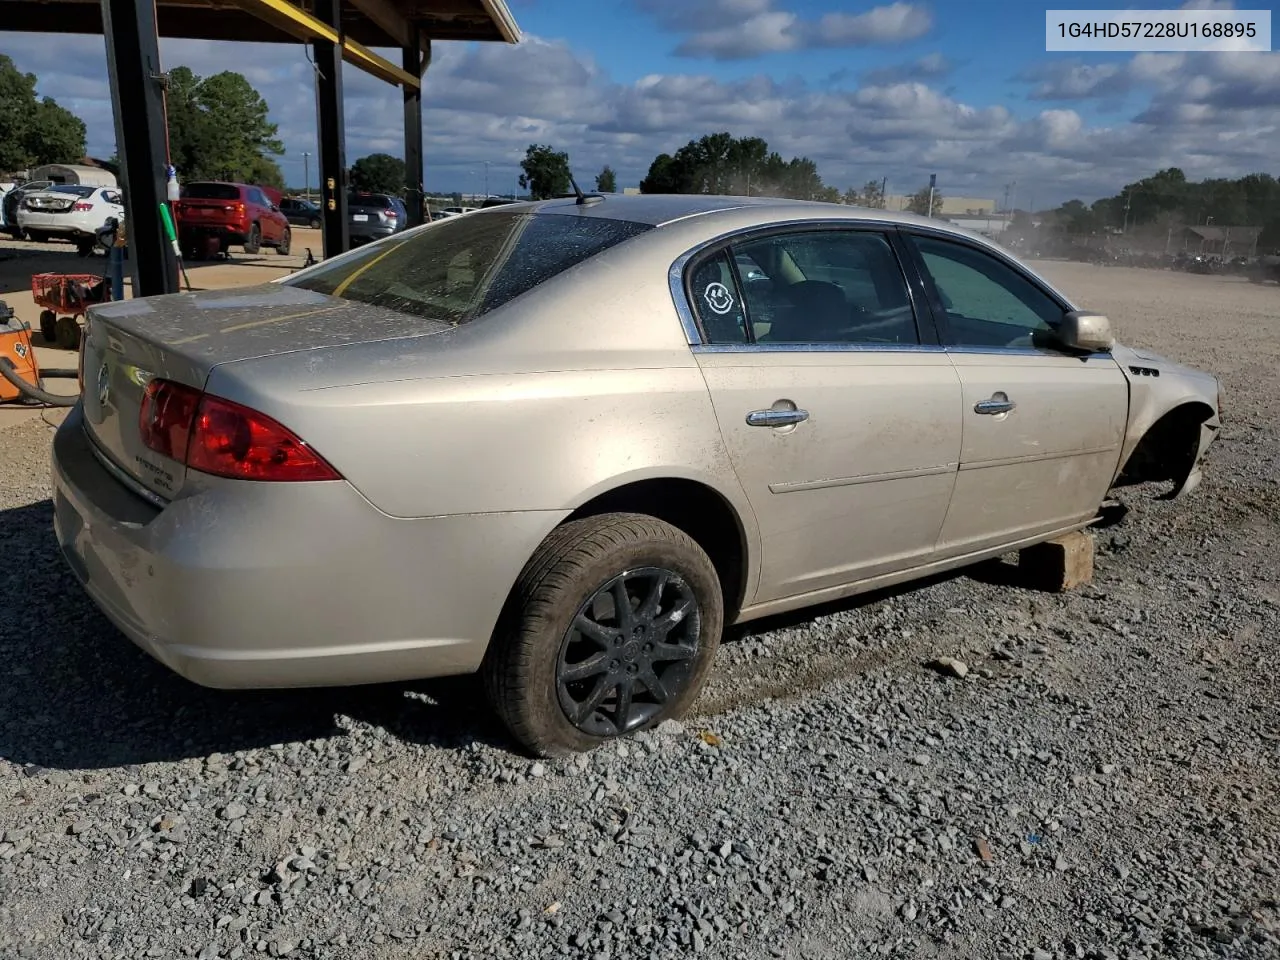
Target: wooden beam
{"points": [[385, 15], [295, 21]]}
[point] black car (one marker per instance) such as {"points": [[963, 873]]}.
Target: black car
{"points": [[372, 216], [301, 213]]}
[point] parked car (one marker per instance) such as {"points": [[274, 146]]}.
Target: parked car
{"points": [[302, 213], [455, 211], [236, 214], [69, 212], [373, 216], [12, 201], [565, 443]]}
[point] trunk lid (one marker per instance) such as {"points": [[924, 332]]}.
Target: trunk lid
{"points": [[209, 211], [368, 209], [183, 336], [50, 202]]}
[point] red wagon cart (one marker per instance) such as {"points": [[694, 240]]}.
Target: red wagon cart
{"points": [[65, 298]]}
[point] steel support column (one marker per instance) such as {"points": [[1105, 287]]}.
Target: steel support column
{"points": [[137, 103], [332, 135], [414, 61]]}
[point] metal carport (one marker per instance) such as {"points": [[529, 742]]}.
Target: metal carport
{"points": [[337, 30]]}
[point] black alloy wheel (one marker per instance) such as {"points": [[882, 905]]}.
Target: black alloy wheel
{"points": [[629, 649]]}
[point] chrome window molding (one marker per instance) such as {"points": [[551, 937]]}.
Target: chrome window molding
{"points": [[818, 348]]}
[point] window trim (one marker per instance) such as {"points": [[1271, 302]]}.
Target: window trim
{"points": [[939, 312], [680, 276]]}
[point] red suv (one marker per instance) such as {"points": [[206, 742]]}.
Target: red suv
{"points": [[234, 213]]}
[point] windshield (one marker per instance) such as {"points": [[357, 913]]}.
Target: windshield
{"points": [[463, 267], [211, 191]]}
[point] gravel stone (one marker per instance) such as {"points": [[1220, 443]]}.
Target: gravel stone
{"points": [[788, 815]]}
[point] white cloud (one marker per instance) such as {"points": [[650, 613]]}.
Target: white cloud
{"points": [[742, 29], [1211, 114]]}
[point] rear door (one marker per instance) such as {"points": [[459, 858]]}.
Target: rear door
{"points": [[839, 411], [1043, 428]]}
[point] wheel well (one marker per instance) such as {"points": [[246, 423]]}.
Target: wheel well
{"points": [[697, 510], [1167, 451]]}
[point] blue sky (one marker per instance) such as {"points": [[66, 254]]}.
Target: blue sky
{"points": [[896, 89]]}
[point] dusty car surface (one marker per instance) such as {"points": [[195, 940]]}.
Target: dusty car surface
{"points": [[565, 443]]}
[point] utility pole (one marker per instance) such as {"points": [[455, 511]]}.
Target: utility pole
{"points": [[1125, 228], [306, 173], [884, 185], [486, 179], [933, 182]]}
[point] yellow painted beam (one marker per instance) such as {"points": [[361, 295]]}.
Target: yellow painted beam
{"points": [[297, 22]]}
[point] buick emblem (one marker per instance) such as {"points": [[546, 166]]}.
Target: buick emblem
{"points": [[104, 385]]}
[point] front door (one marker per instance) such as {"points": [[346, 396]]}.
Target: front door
{"points": [[1043, 428], [842, 425]]}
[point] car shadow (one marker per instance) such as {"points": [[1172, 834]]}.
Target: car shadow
{"points": [[76, 694]]}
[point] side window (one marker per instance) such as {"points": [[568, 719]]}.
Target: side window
{"points": [[830, 286], [988, 303], [713, 292]]}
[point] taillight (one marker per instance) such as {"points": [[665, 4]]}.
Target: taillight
{"points": [[223, 438], [390, 214], [165, 418], [82, 207]]}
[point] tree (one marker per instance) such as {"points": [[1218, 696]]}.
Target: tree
{"points": [[546, 172], [34, 130], [218, 129], [919, 202], [718, 163], [607, 180], [872, 195], [378, 173]]}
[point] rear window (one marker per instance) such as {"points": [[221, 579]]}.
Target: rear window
{"points": [[461, 268], [368, 200], [74, 189], [211, 191]]}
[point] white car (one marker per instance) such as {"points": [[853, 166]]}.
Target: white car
{"points": [[69, 212]]}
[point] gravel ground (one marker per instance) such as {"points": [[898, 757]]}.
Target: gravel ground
{"points": [[1102, 783]]}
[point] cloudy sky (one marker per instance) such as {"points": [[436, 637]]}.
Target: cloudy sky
{"points": [[961, 88]]}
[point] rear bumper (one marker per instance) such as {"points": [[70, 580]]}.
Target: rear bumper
{"points": [[59, 224], [240, 585], [364, 232], [194, 231]]}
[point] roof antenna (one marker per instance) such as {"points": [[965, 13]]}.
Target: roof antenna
{"points": [[584, 199]]}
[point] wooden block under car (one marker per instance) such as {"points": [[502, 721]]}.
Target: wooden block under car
{"points": [[1063, 563]]}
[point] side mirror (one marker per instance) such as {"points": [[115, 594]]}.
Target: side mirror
{"points": [[1089, 332]]}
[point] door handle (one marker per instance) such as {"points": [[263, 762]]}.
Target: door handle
{"points": [[999, 403], [776, 418]]}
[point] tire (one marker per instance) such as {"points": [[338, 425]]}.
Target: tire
{"points": [[85, 248], [35, 236], [537, 641], [285, 243], [68, 333], [49, 326], [314, 224], [253, 242]]}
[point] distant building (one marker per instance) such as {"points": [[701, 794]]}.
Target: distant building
{"points": [[958, 206], [989, 225], [1217, 241], [631, 191]]}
